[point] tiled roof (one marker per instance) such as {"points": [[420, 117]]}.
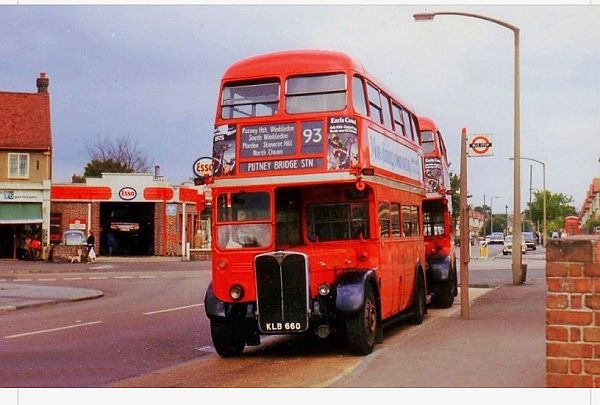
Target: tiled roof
{"points": [[25, 121]]}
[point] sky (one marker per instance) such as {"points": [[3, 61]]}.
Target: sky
{"points": [[152, 72]]}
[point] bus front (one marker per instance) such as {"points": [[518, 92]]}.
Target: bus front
{"points": [[294, 217]]}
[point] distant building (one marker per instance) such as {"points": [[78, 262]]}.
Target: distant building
{"points": [[25, 168], [476, 222], [591, 205]]}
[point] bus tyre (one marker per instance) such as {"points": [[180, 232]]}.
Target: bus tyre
{"points": [[444, 298], [228, 338], [361, 328], [419, 301]]}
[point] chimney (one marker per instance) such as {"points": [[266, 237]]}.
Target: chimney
{"points": [[42, 83]]}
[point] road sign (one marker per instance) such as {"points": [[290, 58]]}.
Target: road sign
{"points": [[480, 145], [203, 167]]}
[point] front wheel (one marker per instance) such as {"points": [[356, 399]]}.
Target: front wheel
{"points": [[419, 301], [228, 338], [361, 328]]}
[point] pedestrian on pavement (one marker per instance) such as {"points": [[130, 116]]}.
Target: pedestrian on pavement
{"points": [[91, 240], [111, 242], [35, 248]]}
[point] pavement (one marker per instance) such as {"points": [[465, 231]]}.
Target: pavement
{"points": [[19, 295]]}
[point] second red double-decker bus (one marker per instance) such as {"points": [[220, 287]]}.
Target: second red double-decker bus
{"points": [[437, 209], [317, 203]]}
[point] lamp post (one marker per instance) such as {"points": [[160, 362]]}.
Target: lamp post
{"points": [[544, 191], [492, 213], [506, 228], [517, 233]]}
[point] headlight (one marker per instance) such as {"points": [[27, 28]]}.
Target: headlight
{"points": [[236, 292], [324, 289]]}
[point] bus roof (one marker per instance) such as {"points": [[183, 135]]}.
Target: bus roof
{"points": [[427, 124], [302, 61], [292, 62]]}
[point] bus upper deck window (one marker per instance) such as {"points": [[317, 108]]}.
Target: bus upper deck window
{"points": [[315, 93], [427, 141], [359, 99], [250, 100]]}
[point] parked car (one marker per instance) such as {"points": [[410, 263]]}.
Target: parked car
{"points": [[508, 245], [74, 237], [530, 240], [495, 238]]}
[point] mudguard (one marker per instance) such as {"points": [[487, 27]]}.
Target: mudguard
{"points": [[440, 268], [350, 292], [214, 307]]}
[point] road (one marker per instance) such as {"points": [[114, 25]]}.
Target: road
{"points": [[151, 319], [147, 320]]}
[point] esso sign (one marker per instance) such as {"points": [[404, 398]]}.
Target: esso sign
{"points": [[127, 193], [203, 167]]}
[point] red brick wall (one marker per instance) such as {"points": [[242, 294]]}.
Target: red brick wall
{"points": [[71, 211], [572, 312]]}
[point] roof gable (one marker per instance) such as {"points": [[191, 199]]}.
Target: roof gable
{"points": [[25, 121]]}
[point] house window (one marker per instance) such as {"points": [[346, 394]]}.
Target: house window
{"points": [[18, 165]]}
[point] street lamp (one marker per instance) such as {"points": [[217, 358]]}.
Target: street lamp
{"points": [[492, 213], [517, 235], [544, 190]]}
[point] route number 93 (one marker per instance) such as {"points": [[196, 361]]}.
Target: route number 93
{"points": [[312, 135]]}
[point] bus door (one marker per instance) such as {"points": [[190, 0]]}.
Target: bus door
{"points": [[411, 249]]}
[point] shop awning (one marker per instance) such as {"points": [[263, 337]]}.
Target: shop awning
{"points": [[21, 213]]}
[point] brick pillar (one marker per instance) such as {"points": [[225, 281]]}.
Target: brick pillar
{"points": [[572, 312]]}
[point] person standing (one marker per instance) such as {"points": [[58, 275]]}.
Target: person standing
{"points": [[91, 240], [111, 242]]}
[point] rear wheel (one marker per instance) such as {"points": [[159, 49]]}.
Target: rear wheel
{"points": [[361, 328], [444, 298], [419, 301], [228, 338]]}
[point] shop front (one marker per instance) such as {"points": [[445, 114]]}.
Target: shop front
{"points": [[130, 214], [24, 218]]}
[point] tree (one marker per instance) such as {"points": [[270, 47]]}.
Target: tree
{"points": [[95, 168], [120, 155], [558, 206], [455, 187]]}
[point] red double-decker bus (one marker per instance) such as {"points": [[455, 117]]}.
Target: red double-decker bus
{"points": [[317, 204], [437, 209]]}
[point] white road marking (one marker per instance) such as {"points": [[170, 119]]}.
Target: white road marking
{"points": [[123, 277], [46, 279], [2, 279], [37, 332], [72, 278], [148, 276], [22, 279], [173, 309], [105, 266], [98, 278]]}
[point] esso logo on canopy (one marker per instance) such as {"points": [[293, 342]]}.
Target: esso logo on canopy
{"points": [[127, 193], [203, 167]]}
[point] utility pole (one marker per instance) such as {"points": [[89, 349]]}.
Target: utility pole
{"points": [[465, 245]]}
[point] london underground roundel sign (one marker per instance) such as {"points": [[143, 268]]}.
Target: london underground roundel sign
{"points": [[203, 167], [480, 145]]}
